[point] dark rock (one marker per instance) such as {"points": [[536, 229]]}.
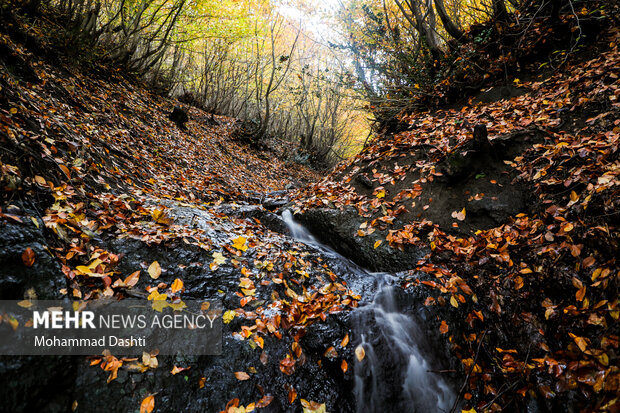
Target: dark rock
{"points": [[37, 383], [179, 116], [274, 203], [44, 277], [364, 180], [338, 229], [256, 212]]}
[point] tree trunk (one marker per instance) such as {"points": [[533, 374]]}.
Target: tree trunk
{"points": [[499, 10], [452, 29]]}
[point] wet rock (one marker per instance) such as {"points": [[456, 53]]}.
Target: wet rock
{"points": [[45, 277], [274, 203], [256, 212], [338, 229], [37, 383], [364, 180]]}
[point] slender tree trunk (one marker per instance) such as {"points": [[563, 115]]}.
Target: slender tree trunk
{"points": [[499, 10], [452, 29]]}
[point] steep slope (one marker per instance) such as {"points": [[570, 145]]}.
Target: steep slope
{"points": [[103, 196], [505, 215]]}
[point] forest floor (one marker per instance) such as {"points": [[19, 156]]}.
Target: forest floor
{"points": [[514, 200], [518, 233]]}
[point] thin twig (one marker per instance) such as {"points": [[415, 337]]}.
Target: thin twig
{"points": [[471, 369]]}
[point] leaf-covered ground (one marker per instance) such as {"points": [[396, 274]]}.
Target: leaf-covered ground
{"points": [[529, 305], [92, 157], [533, 301]]}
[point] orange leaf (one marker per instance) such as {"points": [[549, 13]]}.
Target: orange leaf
{"points": [[242, 375], [176, 286], [147, 405], [344, 366], [66, 171], [28, 257], [292, 395], [176, 370], [581, 293], [201, 382], [443, 328], [345, 341], [132, 279]]}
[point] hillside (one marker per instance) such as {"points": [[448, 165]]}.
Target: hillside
{"points": [[464, 260], [503, 213]]}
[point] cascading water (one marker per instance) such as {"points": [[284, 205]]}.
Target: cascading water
{"points": [[395, 373]]}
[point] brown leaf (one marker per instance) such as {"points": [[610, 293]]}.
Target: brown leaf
{"points": [[132, 279], [28, 257], [66, 171], [292, 395]]}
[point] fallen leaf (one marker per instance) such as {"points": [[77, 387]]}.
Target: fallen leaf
{"points": [[176, 286], [360, 353], [443, 328], [28, 257], [148, 404], [240, 243], [154, 270], [242, 375]]}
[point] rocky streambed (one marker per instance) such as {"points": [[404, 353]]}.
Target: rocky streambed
{"points": [[369, 314]]}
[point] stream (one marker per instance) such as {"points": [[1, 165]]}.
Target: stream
{"points": [[396, 372]]}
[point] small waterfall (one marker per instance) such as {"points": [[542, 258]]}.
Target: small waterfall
{"points": [[395, 374], [298, 231]]}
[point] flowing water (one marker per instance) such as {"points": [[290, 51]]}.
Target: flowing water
{"points": [[395, 374]]}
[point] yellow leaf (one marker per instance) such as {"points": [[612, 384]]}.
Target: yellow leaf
{"points": [[381, 194], [453, 302], [154, 270], [573, 196], [159, 305], [239, 243], [228, 316], [314, 407], [218, 258], [377, 243], [580, 341], [25, 303], [147, 405]]}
